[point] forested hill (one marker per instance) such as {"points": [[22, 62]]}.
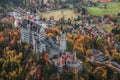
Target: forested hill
{"points": [[6, 5], [23, 3], [11, 3]]}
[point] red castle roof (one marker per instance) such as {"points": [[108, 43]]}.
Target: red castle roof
{"points": [[68, 56]]}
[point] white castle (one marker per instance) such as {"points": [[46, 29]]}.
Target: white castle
{"points": [[34, 32]]}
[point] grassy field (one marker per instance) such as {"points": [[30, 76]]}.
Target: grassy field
{"points": [[59, 13], [107, 27], [112, 8]]}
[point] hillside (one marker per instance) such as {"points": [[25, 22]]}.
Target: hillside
{"points": [[99, 10]]}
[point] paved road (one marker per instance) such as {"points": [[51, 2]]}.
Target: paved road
{"points": [[110, 64]]}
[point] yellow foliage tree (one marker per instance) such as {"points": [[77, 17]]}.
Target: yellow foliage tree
{"points": [[100, 73]]}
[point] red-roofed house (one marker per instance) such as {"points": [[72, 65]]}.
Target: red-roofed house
{"points": [[105, 0]]}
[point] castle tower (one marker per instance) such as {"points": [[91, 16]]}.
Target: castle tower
{"points": [[75, 58], [57, 38], [61, 61], [16, 23], [36, 17], [29, 31], [63, 42], [34, 43], [16, 20], [28, 25], [60, 66], [25, 32]]}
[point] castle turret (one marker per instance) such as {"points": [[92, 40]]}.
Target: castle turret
{"points": [[60, 61], [28, 25], [16, 22], [63, 42], [36, 17], [75, 58], [60, 66], [34, 44], [57, 39]]}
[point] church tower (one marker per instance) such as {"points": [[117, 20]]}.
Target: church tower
{"points": [[63, 42]]}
